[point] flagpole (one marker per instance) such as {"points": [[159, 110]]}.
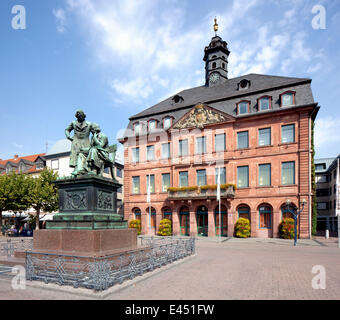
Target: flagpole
{"points": [[219, 201], [149, 200]]}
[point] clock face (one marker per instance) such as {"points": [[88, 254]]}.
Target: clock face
{"points": [[214, 77]]}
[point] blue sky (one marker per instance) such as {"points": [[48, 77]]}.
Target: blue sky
{"points": [[115, 58]]}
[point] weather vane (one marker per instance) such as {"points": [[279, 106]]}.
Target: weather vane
{"points": [[215, 26]]}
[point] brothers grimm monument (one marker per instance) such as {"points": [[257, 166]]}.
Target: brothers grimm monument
{"points": [[87, 221]]}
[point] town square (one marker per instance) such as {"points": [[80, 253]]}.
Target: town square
{"points": [[176, 150]]}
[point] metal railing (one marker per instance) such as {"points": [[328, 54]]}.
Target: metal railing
{"points": [[100, 273], [9, 246]]}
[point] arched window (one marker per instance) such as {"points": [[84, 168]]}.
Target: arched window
{"points": [[202, 221], [265, 212], [223, 65], [264, 103], [214, 65], [285, 213], [243, 107], [152, 124], [224, 221], [287, 98], [136, 128], [167, 213], [137, 213], [153, 218], [244, 212], [167, 122], [184, 221]]}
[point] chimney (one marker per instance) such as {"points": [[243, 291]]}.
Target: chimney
{"points": [[16, 156]]}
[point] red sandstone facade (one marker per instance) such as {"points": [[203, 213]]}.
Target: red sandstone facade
{"points": [[254, 196], [198, 213]]}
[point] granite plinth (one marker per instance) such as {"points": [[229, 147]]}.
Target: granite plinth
{"points": [[84, 242]]}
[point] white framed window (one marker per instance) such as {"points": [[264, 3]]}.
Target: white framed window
{"points": [[55, 164]]}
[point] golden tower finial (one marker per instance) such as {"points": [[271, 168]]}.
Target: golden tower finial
{"points": [[215, 26]]}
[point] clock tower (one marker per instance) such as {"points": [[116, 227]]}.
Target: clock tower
{"points": [[216, 60]]}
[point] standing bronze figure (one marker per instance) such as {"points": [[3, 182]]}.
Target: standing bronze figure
{"points": [[82, 130]]}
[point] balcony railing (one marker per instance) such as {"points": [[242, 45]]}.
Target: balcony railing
{"points": [[192, 193]]}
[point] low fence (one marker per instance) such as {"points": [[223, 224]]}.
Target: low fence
{"points": [[101, 273], [9, 246]]}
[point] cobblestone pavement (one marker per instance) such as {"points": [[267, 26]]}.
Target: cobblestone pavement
{"points": [[233, 269]]}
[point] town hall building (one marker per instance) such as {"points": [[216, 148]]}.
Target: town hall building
{"points": [[254, 131]]}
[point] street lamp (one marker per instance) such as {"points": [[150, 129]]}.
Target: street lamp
{"points": [[295, 213]]}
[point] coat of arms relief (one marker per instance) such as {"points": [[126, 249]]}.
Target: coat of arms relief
{"points": [[200, 116]]}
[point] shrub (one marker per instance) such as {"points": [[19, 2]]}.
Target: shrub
{"points": [[135, 224], [165, 228], [242, 228], [286, 228]]}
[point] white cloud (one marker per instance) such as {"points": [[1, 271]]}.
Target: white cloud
{"points": [[314, 68], [326, 132], [60, 18], [134, 89], [17, 146]]}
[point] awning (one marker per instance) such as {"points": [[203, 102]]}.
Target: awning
{"points": [[7, 214], [47, 217]]}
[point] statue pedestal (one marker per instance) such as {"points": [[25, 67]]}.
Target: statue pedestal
{"points": [[87, 223], [84, 242], [87, 203]]}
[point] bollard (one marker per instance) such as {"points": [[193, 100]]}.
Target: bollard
{"points": [[327, 234]]}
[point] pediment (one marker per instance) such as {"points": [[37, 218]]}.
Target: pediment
{"points": [[200, 116]]}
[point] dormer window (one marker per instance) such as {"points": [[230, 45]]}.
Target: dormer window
{"points": [[264, 103], [243, 85], [136, 128], [177, 99], [287, 98], [167, 122], [152, 124], [243, 107], [40, 165]]}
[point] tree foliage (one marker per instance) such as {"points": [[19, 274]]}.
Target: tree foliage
{"points": [[13, 193], [42, 193], [19, 192]]}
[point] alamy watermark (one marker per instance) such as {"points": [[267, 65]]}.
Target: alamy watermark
{"points": [[19, 19], [319, 281], [319, 20], [19, 279]]}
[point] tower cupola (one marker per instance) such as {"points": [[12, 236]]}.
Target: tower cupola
{"points": [[216, 56]]}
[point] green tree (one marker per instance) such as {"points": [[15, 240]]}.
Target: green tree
{"points": [[43, 194], [5, 190], [13, 192]]}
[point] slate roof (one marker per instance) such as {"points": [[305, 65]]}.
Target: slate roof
{"points": [[224, 97], [226, 90], [326, 161]]}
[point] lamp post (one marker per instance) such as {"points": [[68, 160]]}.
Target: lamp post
{"points": [[295, 213]]}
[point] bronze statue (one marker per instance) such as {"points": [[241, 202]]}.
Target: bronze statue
{"points": [[89, 157], [80, 139]]}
